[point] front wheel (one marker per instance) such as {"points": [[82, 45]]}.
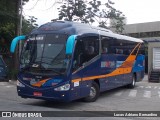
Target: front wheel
{"points": [[133, 83], [94, 93]]}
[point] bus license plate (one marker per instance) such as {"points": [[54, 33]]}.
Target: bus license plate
{"points": [[37, 93]]}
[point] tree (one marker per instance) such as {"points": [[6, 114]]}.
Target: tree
{"points": [[91, 12], [9, 18], [72, 11], [9, 10], [9, 26], [29, 24]]}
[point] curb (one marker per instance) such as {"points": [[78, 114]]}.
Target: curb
{"points": [[14, 82]]}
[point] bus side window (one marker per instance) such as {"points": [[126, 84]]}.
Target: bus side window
{"points": [[91, 48], [119, 51], [105, 46], [104, 50]]}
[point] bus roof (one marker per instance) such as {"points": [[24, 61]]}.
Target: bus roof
{"points": [[75, 28]]}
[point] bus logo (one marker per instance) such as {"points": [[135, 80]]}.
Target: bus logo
{"points": [[35, 65], [107, 64]]}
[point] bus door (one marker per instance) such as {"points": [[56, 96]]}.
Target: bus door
{"points": [[86, 61], [77, 71]]}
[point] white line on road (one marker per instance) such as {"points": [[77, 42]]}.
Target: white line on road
{"points": [[3, 83], [148, 87], [118, 93], [159, 94], [147, 94], [141, 86], [155, 87], [133, 93], [9, 86]]}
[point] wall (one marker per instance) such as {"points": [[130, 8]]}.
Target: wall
{"points": [[151, 45]]}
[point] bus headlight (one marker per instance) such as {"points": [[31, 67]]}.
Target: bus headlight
{"points": [[63, 87], [19, 84]]}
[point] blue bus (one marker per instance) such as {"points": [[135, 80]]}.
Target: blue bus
{"points": [[65, 61]]}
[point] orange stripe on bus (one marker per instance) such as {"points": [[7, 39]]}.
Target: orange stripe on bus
{"points": [[76, 80], [40, 83]]}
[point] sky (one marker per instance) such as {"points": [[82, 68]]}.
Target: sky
{"points": [[135, 11]]}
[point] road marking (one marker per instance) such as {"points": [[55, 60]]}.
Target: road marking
{"points": [[9, 86], [141, 86], [148, 87], [132, 93], [118, 93], [3, 83], [147, 94], [159, 94], [155, 87]]}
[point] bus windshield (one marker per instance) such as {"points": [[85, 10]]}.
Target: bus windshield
{"points": [[44, 53]]}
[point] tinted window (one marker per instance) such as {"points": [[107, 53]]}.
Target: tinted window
{"points": [[117, 46], [1, 62], [86, 49]]}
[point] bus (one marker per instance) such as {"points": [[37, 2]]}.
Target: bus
{"points": [[65, 61]]}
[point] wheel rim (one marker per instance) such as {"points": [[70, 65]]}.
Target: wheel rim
{"points": [[92, 92]]}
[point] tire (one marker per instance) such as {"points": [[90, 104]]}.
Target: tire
{"points": [[132, 85], [94, 93]]}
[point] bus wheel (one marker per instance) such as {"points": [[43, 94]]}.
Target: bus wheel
{"points": [[132, 85], [94, 93]]}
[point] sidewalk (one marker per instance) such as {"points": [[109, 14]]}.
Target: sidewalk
{"points": [[145, 79]]}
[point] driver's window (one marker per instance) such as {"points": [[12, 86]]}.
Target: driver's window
{"points": [[77, 62]]}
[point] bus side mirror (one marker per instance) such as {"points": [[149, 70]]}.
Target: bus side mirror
{"points": [[70, 44], [15, 41]]}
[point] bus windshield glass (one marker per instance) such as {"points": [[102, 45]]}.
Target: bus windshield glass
{"points": [[44, 53]]}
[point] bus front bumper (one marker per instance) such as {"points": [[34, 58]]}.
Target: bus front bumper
{"points": [[43, 93]]}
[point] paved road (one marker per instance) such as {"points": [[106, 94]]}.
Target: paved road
{"points": [[144, 97]]}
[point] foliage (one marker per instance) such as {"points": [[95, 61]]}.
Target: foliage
{"points": [[9, 20], [91, 12], [29, 25], [72, 11], [8, 11]]}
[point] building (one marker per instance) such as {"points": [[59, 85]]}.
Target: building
{"points": [[154, 61], [146, 31]]}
